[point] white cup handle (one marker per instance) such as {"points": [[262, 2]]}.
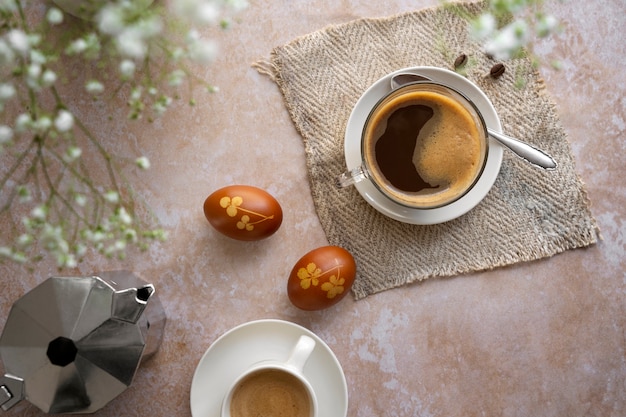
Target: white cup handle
{"points": [[301, 353], [351, 177]]}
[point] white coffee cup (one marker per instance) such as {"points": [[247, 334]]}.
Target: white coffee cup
{"points": [[274, 386]]}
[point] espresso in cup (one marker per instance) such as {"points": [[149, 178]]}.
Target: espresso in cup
{"points": [[424, 145], [274, 388], [270, 392]]}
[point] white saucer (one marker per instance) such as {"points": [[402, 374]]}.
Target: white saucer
{"points": [[352, 149], [256, 341]]}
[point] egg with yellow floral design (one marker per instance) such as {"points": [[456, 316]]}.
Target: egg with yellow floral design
{"points": [[243, 212], [321, 278]]}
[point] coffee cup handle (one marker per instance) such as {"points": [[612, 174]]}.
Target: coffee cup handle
{"points": [[301, 353], [351, 177]]}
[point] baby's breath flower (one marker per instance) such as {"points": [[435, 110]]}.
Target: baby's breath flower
{"points": [[94, 87], [127, 68], [76, 47], [207, 13], [176, 77], [112, 197], [124, 217], [23, 122], [64, 121], [6, 53], [72, 153], [546, 24], [33, 72], [125, 34], [42, 124], [8, 5], [37, 57], [130, 235], [18, 40], [203, 51], [48, 78], [130, 43], [483, 26], [142, 162], [39, 212], [80, 199], [135, 93], [110, 19], [6, 134], [508, 41], [54, 16], [161, 105], [25, 239], [7, 91]]}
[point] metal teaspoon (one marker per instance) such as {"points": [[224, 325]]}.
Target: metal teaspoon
{"points": [[524, 150]]}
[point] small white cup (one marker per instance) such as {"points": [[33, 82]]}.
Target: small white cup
{"points": [[292, 367]]}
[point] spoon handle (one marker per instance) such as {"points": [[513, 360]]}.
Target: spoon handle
{"points": [[525, 151]]}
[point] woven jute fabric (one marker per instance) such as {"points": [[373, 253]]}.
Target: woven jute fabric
{"points": [[528, 214]]}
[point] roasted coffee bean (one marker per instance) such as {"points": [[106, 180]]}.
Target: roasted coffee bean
{"points": [[497, 70], [460, 61]]}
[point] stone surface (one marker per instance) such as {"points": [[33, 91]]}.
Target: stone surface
{"points": [[544, 338]]}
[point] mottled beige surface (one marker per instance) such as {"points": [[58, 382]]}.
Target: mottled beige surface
{"points": [[547, 338]]}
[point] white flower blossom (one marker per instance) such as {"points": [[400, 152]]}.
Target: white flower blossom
{"points": [[508, 40], [42, 124], [203, 51], [54, 16], [33, 72], [72, 153], [130, 43], [39, 213], [135, 94], [18, 40], [127, 68], [110, 20], [8, 5], [546, 25], [6, 134], [124, 217], [483, 26], [237, 5], [48, 78], [7, 91], [37, 57], [80, 199], [94, 87], [23, 122], [6, 53], [142, 162], [25, 239], [207, 13], [112, 197], [176, 77], [64, 121], [76, 47]]}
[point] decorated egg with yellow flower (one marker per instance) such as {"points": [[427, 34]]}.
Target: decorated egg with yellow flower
{"points": [[243, 212], [321, 278]]}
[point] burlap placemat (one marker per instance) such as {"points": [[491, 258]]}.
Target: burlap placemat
{"points": [[528, 214]]}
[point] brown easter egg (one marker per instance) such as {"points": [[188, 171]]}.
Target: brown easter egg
{"points": [[243, 212], [321, 278]]}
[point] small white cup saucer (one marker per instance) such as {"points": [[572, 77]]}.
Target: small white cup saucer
{"points": [[352, 149], [259, 341]]}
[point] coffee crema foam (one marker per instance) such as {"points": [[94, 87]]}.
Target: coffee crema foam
{"points": [[424, 147], [270, 393]]}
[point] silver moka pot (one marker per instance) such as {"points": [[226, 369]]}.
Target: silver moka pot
{"points": [[71, 345]]}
